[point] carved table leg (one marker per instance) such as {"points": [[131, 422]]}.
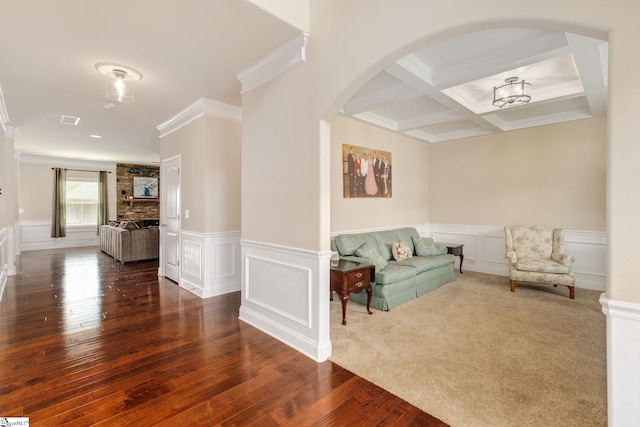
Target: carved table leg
{"points": [[461, 259], [369, 294], [344, 299]]}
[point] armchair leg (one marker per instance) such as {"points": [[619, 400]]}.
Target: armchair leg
{"points": [[572, 292], [513, 285]]}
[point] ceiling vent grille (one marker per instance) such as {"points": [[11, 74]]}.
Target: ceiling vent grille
{"points": [[61, 118]]}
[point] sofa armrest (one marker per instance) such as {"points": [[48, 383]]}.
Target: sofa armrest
{"points": [[354, 258], [563, 259], [513, 257]]}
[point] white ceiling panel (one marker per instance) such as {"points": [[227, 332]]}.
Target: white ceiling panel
{"points": [[445, 90]]}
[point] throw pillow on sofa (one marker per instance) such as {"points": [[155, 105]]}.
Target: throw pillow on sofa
{"points": [[370, 252], [401, 251], [425, 246]]}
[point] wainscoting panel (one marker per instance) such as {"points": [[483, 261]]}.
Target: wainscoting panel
{"points": [[7, 257], [210, 263], [285, 293], [484, 251], [286, 279], [36, 235], [623, 354]]}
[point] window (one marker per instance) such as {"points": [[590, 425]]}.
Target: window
{"points": [[82, 201]]}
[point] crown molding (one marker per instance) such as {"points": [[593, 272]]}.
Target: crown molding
{"points": [[202, 107], [65, 162], [10, 131], [378, 120], [4, 116], [281, 60]]}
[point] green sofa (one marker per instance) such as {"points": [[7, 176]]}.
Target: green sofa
{"points": [[397, 282]]}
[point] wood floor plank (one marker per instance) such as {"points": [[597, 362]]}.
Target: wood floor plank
{"points": [[86, 340]]}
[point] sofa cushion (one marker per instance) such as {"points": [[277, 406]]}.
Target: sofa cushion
{"points": [[541, 266], [393, 273], [424, 263], [348, 243], [369, 251], [425, 246], [406, 235], [401, 251], [384, 240]]}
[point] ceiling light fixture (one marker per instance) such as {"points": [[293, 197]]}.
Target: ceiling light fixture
{"points": [[513, 92], [118, 81]]}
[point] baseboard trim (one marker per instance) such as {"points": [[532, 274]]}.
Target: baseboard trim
{"points": [[286, 335]]}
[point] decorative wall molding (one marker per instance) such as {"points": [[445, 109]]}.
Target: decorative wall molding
{"points": [[4, 116], [210, 263], [623, 353], [484, 250], [281, 60], [66, 162], [36, 235], [285, 293], [201, 107], [7, 257]]}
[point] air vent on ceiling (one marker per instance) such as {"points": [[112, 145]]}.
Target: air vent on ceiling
{"points": [[61, 118]]}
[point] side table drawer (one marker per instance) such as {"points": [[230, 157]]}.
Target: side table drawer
{"points": [[456, 251], [358, 279]]}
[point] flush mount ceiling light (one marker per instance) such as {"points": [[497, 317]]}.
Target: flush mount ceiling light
{"points": [[513, 92], [118, 81]]}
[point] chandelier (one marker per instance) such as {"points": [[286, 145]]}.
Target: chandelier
{"points": [[511, 93]]}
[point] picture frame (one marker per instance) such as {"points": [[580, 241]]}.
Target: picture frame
{"points": [[145, 187], [367, 172]]}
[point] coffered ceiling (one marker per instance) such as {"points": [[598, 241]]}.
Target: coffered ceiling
{"points": [[445, 91]]}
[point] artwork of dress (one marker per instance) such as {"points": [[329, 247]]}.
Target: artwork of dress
{"points": [[366, 172], [370, 186]]}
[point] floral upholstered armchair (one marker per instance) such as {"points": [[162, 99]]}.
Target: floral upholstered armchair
{"points": [[536, 255]]}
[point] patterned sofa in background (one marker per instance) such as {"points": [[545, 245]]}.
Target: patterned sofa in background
{"points": [[127, 241], [397, 281]]}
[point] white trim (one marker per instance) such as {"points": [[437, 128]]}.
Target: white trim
{"points": [[623, 369], [66, 162], [35, 234], [201, 107], [620, 309], [285, 293], [210, 263], [4, 115], [281, 60], [7, 257]]}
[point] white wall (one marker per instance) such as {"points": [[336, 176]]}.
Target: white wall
{"points": [[551, 175]]}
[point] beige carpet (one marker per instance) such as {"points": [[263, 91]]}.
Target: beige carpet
{"points": [[472, 353]]}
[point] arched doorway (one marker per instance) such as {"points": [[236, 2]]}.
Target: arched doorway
{"points": [[394, 93]]}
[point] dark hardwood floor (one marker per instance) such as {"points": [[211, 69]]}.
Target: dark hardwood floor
{"points": [[85, 340]]}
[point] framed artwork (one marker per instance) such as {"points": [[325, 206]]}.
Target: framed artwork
{"points": [[145, 187], [366, 172]]}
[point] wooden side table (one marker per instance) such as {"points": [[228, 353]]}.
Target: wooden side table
{"points": [[456, 250], [349, 276]]}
